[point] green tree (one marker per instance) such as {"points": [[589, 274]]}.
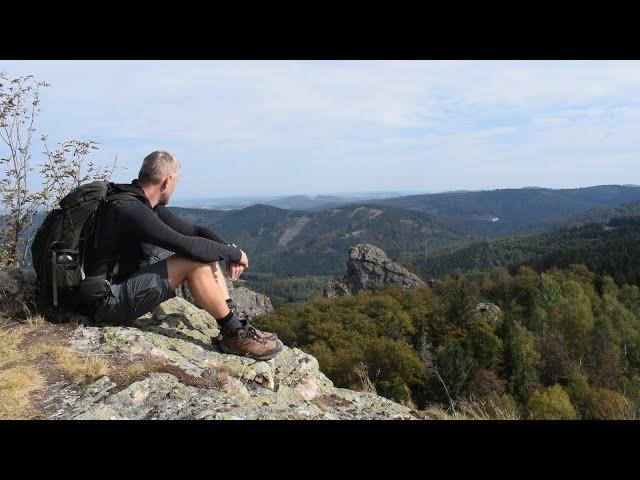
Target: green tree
{"points": [[461, 296], [394, 364], [485, 344], [551, 403], [612, 405], [580, 392], [521, 358], [574, 319], [456, 366]]}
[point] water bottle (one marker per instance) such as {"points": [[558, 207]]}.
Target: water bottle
{"points": [[64, 259]]}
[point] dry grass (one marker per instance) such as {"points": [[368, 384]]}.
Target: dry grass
{"points": [[17, 382], [362, 371], [408, 402], [35, 320], [10, 339], [80, 369], [135, 370], [473, 410], [16, 386]]}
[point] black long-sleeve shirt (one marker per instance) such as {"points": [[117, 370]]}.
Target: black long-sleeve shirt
{"points": [[129, 228]]}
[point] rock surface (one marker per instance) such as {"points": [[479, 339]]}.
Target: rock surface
{"points": [[490, 311], [369, 268], [187, 377], [205, 383]]}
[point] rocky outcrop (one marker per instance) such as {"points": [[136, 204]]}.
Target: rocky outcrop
{"points": [[197, 381], [490, 311], [336, 287], [369, 268], [183, 374]]}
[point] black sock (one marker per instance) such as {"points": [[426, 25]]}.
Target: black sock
{"points": [[232, 304], [230, 322]]}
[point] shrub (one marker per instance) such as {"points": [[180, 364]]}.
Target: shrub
{"points": [[551, 403]]}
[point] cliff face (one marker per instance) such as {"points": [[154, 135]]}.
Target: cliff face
{"points": [[191, 379]]}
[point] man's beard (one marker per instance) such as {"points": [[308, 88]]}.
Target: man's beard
{"points": [[164, 199]]}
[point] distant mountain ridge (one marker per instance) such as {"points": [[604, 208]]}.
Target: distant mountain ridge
{"points": [[299, 202], [302, 242], [611, 248], [504, 212], [315, 240]]}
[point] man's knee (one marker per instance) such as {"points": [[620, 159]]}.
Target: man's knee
{"points": [[182, 268]]}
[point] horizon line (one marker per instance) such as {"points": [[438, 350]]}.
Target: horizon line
{"points": [[408, 192]]}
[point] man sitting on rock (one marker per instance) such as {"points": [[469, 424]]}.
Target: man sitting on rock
{"points": [[127, 231]]}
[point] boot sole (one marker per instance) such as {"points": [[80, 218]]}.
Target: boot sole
{"points": [[231, 351]]}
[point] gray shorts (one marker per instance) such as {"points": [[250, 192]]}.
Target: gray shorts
{"points": [[140, 293]]}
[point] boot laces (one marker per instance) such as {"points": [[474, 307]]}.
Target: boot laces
{"points": [[250, 332]]}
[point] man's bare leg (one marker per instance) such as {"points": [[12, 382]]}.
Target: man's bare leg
{"points": [[219, 276], [208, 293], [203, 285]]}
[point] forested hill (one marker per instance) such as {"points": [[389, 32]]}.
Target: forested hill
{"points": [[499, 213], [297, 242], [611, 248]]}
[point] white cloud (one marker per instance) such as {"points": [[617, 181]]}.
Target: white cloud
{"points": [[326, 126]]}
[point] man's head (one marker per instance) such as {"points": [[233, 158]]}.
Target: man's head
{"points": [[159, 173]]}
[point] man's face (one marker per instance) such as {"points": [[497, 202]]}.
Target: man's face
{"points": [[166, 193]]}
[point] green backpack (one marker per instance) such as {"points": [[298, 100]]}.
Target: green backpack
{"points": [[60, 243]]}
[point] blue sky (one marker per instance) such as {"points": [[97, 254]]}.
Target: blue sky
{"points": [[309, 127]]}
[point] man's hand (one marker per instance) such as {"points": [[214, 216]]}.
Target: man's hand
{"points": [[234, 269], [244, 261]]}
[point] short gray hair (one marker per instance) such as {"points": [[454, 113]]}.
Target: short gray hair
{"points": [[157, 165]]}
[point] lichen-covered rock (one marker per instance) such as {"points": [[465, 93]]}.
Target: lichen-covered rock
{"points": [[162, 396], [178, 334], [369, 268], [250, 304], [490, 311], [336, 288]]}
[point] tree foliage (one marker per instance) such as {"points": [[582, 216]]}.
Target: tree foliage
{"points": [[564, 343]]}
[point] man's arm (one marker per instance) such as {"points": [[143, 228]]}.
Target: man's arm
{"points": [[186, 228], [146, 226]]}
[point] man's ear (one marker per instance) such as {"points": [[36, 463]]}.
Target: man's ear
{"points": [[165, 183]]}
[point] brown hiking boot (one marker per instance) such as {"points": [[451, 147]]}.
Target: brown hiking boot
{"points": [[245, 321], [247, 343], [261, 333]]}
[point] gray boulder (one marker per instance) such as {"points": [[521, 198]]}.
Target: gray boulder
{"points": [[369, 268], [490, 311]]}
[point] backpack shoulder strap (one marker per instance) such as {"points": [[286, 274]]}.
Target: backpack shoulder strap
{"points": [[109, 198], [113, 195]]}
